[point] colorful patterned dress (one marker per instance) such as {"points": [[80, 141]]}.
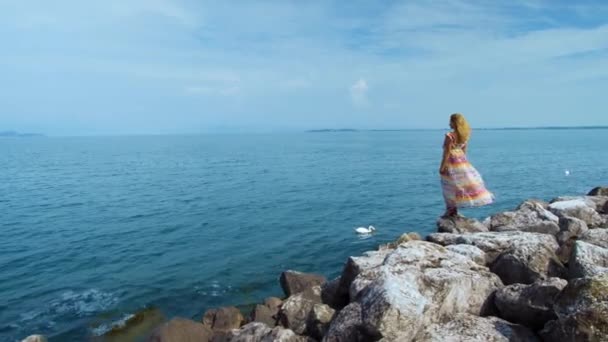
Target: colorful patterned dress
{"points": [[462, 184]]}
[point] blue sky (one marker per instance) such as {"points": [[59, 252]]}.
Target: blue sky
{"points": [[181, 66]]}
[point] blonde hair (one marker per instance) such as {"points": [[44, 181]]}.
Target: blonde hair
{"points": [[461, 126]]}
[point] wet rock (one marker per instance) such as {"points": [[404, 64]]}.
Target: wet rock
{"points": [[180, 329], [417, 284], [587, 260], [469, 328], [469, 251], [530, 216], [35, 338], [460, 225], [318, 320], [496, 243], [582, 311], [530, 305], [578, 208], [134, 328], [293, 282], [223, 319], [347, 326], [570, 227]]}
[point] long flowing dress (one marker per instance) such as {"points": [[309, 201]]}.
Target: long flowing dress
{"points": [[461, 183]]}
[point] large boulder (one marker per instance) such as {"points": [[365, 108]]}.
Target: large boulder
{"points": [[495, 243], [587, 260], [582, 312], [293, 282], [318, 320], [460, 225], [570, 227], [420, 283], [330, 296], [517, 257], [470, 328], [580, 208], [181, 330], [223, 319], [353, 267], [263, 314], [260, 332], [266, 313], [530, 305], [347, 326], [296, 309], [598, 191], [530, 216], [527, 263], [470, 251]]}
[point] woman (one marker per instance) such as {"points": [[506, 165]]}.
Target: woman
{"points": [[462, 185]]}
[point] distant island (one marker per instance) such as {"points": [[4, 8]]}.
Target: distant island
{"points": [[13, 134]]}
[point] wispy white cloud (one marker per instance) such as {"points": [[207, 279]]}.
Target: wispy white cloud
{"points": [[358, 93]]}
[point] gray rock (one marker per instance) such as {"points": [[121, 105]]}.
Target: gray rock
{"points": [[530, 305], [274, 304], [420, 283], [527, 263], [352, 268], [293, 282], [260, 332], [582, 311], [587, 260], [180, 329], [579, 208], [318, 320], [564, 251], [530, 216], [598, 237], [346, 326], [460, 225], [570, 227], [469, 328], [598, 191], [329, 294], [263, 314], [495, 243], [469, 251], [296, 309]]}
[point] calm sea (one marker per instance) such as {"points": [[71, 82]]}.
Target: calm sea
{"points": [[95, 228]]}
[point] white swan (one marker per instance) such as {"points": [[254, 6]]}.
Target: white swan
{"points": [[363, 230]]}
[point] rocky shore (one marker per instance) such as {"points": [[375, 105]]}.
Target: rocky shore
{"points": [[537, 273]]}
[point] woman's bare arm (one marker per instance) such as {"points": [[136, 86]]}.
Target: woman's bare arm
{"points": [[447, 146]]}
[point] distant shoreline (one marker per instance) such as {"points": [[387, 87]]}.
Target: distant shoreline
{"points": [[14, 134], [338, 130]]}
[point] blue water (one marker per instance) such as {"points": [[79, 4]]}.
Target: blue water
{"points": [[93, 228]]}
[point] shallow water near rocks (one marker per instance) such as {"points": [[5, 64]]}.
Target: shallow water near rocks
{"points": [[94, 229]]}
